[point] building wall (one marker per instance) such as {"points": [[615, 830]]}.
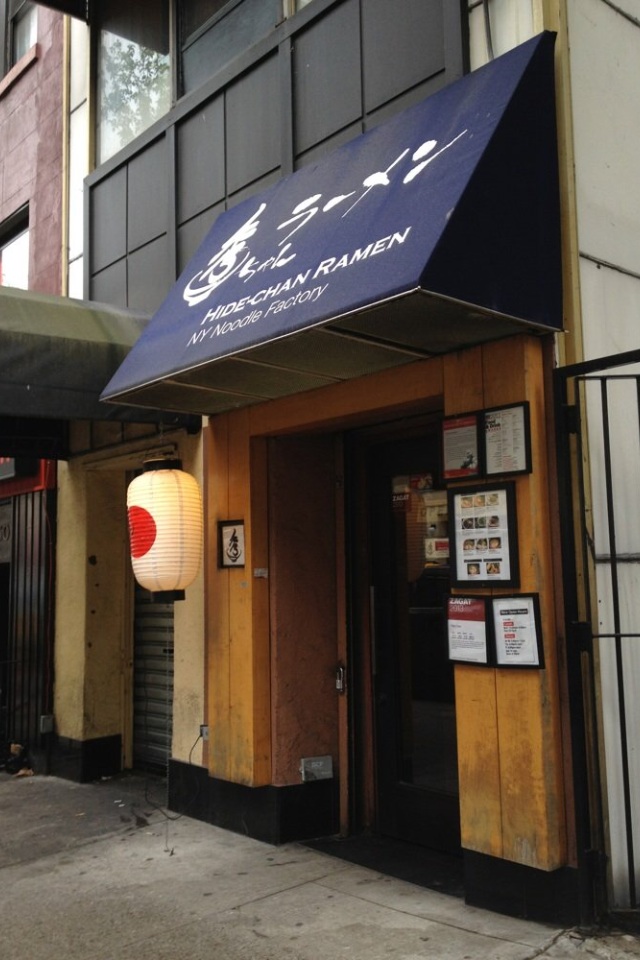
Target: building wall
{"points": [[318, 80], [509, 728], [322, 83], [31, 179], [94, 609], [607, 143], [512, 769], [31, 118], [605, 77]]}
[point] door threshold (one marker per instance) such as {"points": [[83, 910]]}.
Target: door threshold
{"points": [[397, 858]]}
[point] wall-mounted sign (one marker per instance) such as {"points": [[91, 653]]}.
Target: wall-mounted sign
{"points": [[483, 535], [231, 543], [507, 442], [516, 628], [460, 453], [467, 630], [509, 636]]}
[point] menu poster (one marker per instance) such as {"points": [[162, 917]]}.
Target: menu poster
{"points": [[483, 536], [516, 626], [507, 441], [467, 630], [460, 454]]}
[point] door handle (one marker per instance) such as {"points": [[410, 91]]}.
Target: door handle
{"points": [[372, 630], [341, 678]]}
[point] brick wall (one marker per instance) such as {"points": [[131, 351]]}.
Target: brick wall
{"points": [[31, 135]]}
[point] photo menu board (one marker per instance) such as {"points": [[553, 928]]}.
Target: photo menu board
{"points": [[483, 536]]}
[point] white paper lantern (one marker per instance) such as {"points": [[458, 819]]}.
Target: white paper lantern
{"points": [[164, 507]]}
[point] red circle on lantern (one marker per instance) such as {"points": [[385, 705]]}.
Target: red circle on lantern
{"points": [[142, 531]]}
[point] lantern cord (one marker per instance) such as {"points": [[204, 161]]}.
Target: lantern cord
{"points": [[165, 813]]}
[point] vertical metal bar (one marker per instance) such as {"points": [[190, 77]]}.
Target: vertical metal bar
{"points": [[585, 537], [575, 540], [615, 598]]}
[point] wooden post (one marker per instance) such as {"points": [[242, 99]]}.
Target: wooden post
{"points": [[509, 738]]}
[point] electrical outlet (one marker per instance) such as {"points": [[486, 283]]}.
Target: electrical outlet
{"points": [[46, 723], [204, 731]]}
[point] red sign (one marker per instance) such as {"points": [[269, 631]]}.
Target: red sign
{"points": [[25, 475]]}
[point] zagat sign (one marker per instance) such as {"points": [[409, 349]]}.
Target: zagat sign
{"points": [[271, 258]]}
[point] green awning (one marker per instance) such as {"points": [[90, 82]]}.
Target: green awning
{"points": [[58, 354]]}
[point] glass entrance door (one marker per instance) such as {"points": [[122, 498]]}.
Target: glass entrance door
{"points": [[416, 762]]}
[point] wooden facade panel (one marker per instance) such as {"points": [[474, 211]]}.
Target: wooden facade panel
{"points": [[478, 760], [238, 623], [520, 723], [261, 616], [240, 585], [532, 758], [303, 613], [463, 381], [476, 708], [217, 599], [531, 785], [354, 401]]}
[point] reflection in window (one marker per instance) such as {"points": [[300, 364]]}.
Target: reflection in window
{"points": [[14, 262], [134, 76]]}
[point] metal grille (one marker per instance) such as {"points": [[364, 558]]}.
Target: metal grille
{"points": [[153, 683], [600, 463], [26, 645]]}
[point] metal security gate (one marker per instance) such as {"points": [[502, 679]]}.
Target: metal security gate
{"points": [[27, 617], [598, 423], [152, 683]]}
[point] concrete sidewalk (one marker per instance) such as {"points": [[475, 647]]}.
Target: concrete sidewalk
{"points": [[103, 872]]}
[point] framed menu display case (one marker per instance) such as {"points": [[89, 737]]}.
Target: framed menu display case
{"points": [[483, 536]]}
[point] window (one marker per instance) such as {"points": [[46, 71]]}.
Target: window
{"points": [[134, 75], [14, 258], [292, 6], [22, 29], [18, 26], [195, 13], [141, 64]]}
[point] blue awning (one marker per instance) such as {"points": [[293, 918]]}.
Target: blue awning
{"points": [[437, 230]]}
